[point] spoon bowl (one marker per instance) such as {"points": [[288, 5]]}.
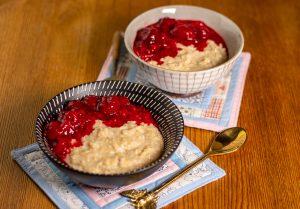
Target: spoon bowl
{"points": [[228, 141]]}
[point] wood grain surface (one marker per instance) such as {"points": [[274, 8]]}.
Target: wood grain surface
{"points": [[47, 46]]}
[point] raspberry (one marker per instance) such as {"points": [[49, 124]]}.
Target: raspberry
{"points": [[91, 101], [166, 24], [143, 34], [61, 149], [53, 130], [109, 105], [124, 101], [67, 128], [75, 104], [73, 116], [184, 34]]}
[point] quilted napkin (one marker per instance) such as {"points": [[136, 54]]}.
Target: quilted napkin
{"points": [[66, 193], [215, 108]]}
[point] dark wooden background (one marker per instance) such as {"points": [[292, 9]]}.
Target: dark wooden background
{"points": [[47, 46]]}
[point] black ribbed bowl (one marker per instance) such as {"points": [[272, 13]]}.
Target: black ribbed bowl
{"points": [[163, 110]]}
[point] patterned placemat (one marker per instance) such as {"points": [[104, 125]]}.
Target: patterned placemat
{"points": [[215, 108], [66, 193]]}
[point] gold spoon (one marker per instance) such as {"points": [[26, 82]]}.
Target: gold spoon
{"points": [[227, 141]]}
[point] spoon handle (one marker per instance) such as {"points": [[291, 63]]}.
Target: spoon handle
{"points": [[181, 173], [116, 42]]}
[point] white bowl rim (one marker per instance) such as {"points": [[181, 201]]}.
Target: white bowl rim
{"points": [[182, 71]]}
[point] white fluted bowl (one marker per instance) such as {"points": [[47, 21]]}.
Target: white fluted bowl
{"points": [[186, 82]]}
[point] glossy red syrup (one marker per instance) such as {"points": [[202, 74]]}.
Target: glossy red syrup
{"points": [[159, 40], [79, 116]]}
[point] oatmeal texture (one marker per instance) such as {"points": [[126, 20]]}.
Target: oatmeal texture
{"points": [[109, 150], [189, 58]]}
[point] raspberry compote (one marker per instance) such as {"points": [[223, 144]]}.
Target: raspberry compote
{"points": [[78, 117], [160, 39]]}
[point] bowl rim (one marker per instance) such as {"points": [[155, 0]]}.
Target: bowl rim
{"points": [[237, 54], [57, 161]]}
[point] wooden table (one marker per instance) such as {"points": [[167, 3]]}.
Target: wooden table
{"points": [[49, 45]]}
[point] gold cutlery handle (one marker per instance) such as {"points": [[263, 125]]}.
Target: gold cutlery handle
{"points": [[181, 173], [116, 42]]}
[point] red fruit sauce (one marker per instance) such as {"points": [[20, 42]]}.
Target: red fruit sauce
{"points": [[159, 40], [79, 116]]}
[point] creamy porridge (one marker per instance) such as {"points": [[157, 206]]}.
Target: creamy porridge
{"points": [[110, 150], [189, 58]]}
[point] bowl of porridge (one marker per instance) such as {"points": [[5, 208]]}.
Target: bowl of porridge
{"points": [[109, 133], [183, 49]]}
